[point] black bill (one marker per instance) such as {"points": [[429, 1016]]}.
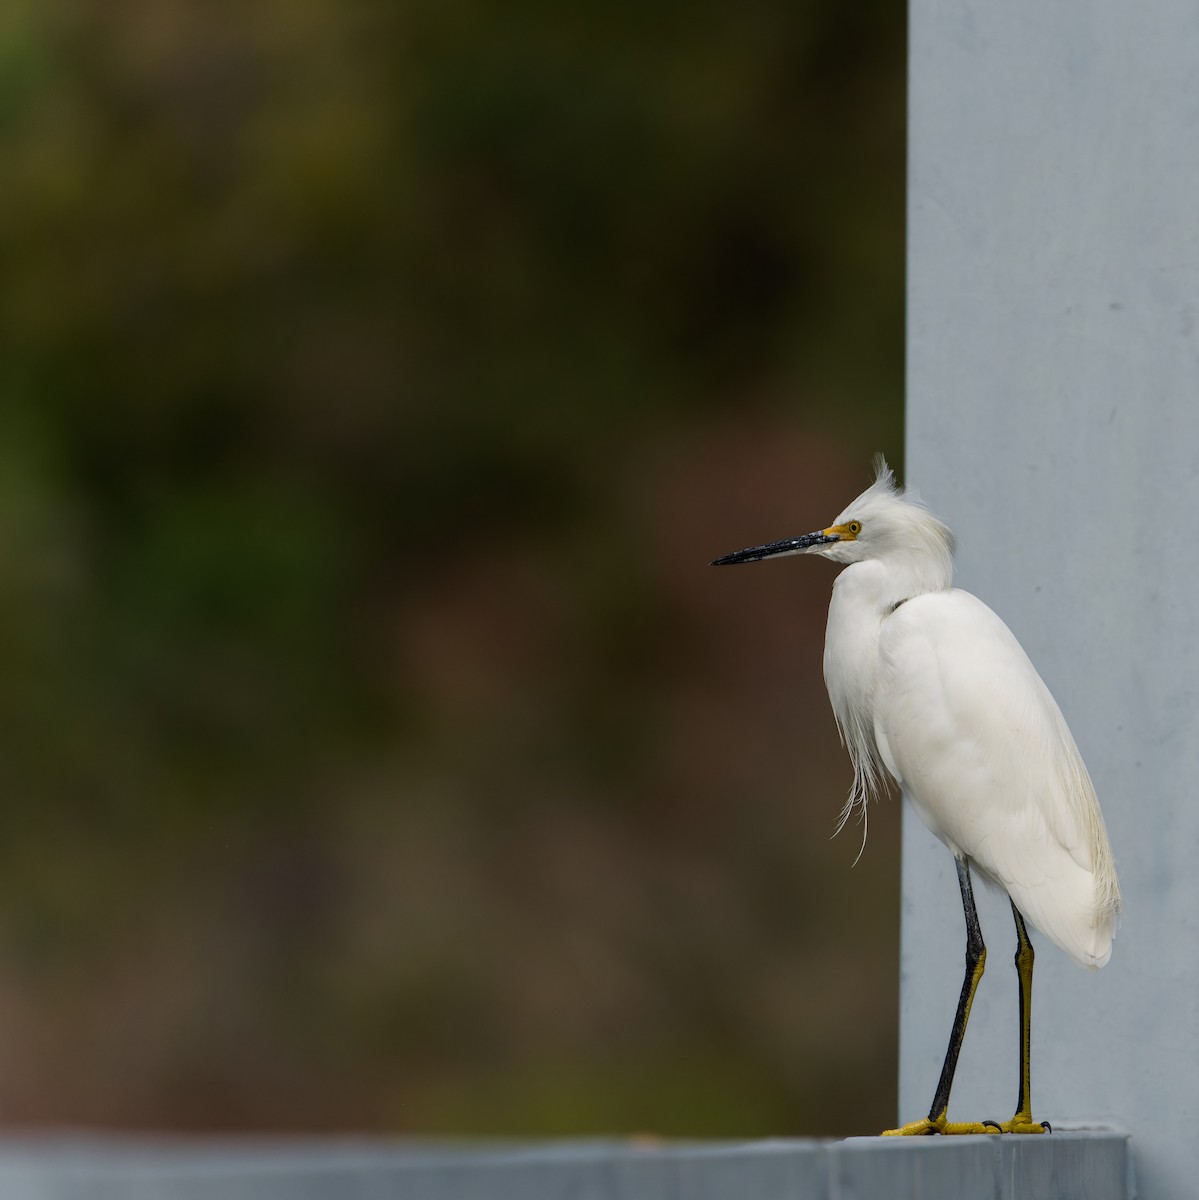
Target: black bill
{"points": [[773, 549]]}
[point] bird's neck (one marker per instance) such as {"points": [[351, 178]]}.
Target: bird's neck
{"points": [[865, 594], [855, 620], [874, 590], [863, 597]]}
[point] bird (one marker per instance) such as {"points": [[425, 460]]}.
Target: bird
{"points": [[932, 690]]}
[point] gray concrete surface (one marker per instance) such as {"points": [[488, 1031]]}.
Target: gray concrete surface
{"points": [[1053, 420], [1064, 1166]]}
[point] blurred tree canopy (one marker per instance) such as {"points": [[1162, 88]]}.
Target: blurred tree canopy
{"points": [[375, 382]]}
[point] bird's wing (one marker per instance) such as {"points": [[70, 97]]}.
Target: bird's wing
{"points": [[985, 756]]}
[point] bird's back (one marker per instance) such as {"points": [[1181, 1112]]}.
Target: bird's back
{"points": [[983, 753]]}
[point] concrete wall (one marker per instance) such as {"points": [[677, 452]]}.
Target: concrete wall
{"points": [[1078, 1167], [1053, 420]]}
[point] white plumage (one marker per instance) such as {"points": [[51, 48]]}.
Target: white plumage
{"points": [[927, 682], [971, 733], [930, 687]]}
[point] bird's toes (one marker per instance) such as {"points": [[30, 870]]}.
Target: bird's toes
{"points": [[1022, 1123], [925, 1128]]}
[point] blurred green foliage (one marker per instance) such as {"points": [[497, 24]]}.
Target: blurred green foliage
{"points": [[375, 381]]}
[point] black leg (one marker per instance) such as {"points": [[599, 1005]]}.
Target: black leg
{"points": [[1024, 962], [976, 959], [1022, 1122]]}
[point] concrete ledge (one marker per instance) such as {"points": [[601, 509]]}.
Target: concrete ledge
{"points": [[1062, 1166]]}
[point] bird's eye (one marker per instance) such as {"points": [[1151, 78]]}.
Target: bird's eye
{"points": [[854, 527]]}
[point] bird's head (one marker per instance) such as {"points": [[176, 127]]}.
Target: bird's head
{"points": [[883, 523]]}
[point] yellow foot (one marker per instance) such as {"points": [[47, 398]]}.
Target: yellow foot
{"points": [[931, 1125], [1022, 1122]]}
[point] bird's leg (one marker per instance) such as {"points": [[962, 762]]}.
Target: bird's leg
{"points": [[1022, 1122], [976, 959]]}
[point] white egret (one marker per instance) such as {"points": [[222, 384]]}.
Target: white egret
{"points": [[930, 687]]}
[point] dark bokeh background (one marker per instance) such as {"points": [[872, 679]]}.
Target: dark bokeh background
{"points": [[377, 750]]}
